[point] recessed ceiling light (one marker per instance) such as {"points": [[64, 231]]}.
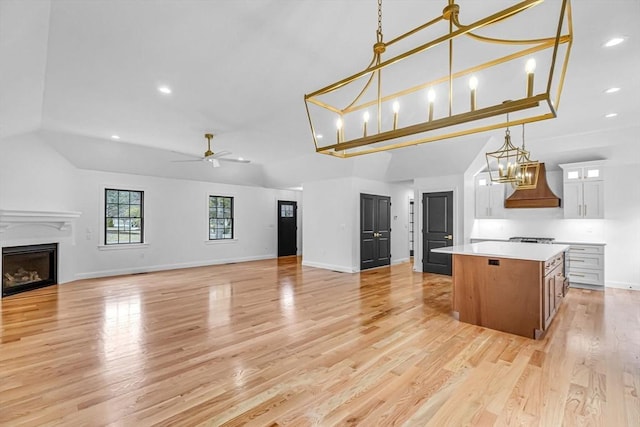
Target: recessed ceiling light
{"points": [[240, 158], [614, 41], [319, 136], [115, 136], [612, 90], [164, 89], [608, 116]]}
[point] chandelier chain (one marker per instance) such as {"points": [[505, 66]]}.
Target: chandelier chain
{"points": [[379, 32]]}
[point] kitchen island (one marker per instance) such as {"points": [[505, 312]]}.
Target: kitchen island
{"points": [[507, 286]]}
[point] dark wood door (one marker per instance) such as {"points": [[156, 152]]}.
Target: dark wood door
{"points": [[287, 228], [375, 231], [437, 231]]}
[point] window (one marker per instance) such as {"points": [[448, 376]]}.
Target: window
{"points": [[220, 217], [286, 211], [124, 220]]}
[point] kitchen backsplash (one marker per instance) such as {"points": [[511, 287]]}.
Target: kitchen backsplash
{"points": [[568, 230]]}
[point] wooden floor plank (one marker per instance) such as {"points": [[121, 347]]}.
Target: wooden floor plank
{"points": [[275, 343]]}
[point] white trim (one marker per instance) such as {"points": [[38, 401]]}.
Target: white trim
{"points": [[60, 220], [399, 261], [220, 241], [623, 285], [164, 267], [123, 246], [340, 268]]}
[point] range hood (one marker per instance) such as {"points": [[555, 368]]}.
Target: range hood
{"points": [[539, 197]]}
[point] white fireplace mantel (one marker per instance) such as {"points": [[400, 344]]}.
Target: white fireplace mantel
{"points": [[61, 220]]}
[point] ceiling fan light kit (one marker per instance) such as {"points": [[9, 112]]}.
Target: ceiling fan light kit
{"points": [[424, 93]]}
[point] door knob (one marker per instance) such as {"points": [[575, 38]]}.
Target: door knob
{"points": [[448, 237]]}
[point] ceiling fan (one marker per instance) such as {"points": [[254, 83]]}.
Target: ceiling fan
{"points": [[215, 158]]}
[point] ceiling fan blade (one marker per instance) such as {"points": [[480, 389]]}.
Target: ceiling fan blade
{"points": [[215, 163], [235, 160], [188, 161], [219, 154]]}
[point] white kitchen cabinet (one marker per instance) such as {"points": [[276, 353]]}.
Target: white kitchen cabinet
{"points": [[585, 265], [583, 190], [489, 197]]}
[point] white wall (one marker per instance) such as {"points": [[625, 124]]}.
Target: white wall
{"points": [[453, 183], [331, 225], [176, 224], [33, 176], [622, 226]]}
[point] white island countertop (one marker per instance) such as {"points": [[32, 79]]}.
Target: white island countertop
{"points": [[514, 250]]}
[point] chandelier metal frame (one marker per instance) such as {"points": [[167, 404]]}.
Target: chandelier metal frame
{"points": [[472, 121]]}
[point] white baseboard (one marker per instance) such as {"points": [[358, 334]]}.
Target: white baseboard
{"points": [[623, 285], [340, 268], [399, 261], [149, 269]]}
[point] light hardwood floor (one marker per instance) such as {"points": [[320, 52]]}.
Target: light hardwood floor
{"points": [[274, 343]]}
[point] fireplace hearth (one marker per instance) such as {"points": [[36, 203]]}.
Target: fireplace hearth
{"points": [[29, 267]]}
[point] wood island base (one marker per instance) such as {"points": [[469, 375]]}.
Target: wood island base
{"points": [[510, 295]]}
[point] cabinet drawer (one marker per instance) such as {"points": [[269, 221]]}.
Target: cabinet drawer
{"points": [[594, 261], [553, 263], [591, 277], [586, 249]]}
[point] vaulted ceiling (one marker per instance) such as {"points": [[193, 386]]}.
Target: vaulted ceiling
{"points": [[77, 72]]}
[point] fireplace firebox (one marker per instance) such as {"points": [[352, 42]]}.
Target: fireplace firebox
{"points": [[29, 267]]}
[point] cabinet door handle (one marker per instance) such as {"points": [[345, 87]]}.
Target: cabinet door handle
{"points": [[579, 210], [585, 210]]}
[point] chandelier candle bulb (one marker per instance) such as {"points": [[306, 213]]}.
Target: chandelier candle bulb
{"points": [[473, 85], [396, 108], [339, 130], [431, 97], [530, 68], [365, 118], [500, 170]]}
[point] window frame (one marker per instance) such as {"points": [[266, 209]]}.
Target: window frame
{"points": [[231, 218], [106, 218]]}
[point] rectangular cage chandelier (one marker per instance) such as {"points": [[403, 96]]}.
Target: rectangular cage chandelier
{"points": [[448, 79]]}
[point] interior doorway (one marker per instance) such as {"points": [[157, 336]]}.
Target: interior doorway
{"points": [[437, 231], [287, 228], [375, 231]]}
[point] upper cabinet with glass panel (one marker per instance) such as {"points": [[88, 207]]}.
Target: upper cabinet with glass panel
{"points": [[584, 171]]}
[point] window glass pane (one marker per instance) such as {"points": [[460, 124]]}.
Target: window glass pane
{"points": [[112, 210], [123, 211], [213, 202], [123, 197], [135, 211], [112, 196], [135, 198], [112, 236], [136, 236]]}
